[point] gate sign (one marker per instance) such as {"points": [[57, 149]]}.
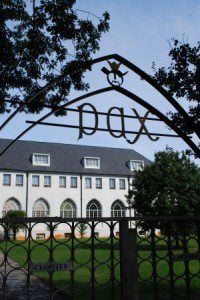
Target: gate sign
{"points": [[50, 266], [122, 131]]}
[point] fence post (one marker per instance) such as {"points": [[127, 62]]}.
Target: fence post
{"points": [[128, 262]]}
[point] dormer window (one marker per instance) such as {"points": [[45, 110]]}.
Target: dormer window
{"points": [[92, 162], [39, 159], [136, 165]]}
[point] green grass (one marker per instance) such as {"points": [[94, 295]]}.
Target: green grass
{"points": [[82, 254]]}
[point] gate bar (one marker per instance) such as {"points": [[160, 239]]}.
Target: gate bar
{"points": [[128, 262], [100, 129]]}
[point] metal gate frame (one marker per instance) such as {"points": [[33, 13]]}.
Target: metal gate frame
{"points": [[131, 244]]}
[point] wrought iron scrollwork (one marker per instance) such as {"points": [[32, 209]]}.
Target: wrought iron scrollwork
{"points": [[160, 253], [143, 128], [115, 78]]}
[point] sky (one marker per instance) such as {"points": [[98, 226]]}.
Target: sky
{"points": [[140, 31]]}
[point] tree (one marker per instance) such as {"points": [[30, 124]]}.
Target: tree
{"points": [[182, 80], [15, 227], [36, 45], [170, 186], [82, 228]]}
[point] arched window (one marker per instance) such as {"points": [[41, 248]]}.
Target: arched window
{"points": [[118, 209], [40, 208], [93, 209], [11, 204], [68, 209]]}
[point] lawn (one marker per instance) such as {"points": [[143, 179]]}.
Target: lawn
{"points": [[80, 253]]}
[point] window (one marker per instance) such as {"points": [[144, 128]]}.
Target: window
{"points": [[118, 209], [88, 183], [99, 183], [73, 182], [92, 162], [40, 209], [19, 180], [93, 209], [11, 204], [39, 159], [67, 234], [122, 184], [62, 181], [117, 234], [47, 181], [40, 236], [35, 180], [68, 209], [136, 165], [112, 183], [6, 179]]}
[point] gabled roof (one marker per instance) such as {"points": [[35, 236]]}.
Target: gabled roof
{"points": [[66, 158]]}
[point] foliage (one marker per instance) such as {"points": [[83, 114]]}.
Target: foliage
{"points": [[82, 228], [15, 227], [52, 227], [35, 48], [182, 79], [170, 186]]}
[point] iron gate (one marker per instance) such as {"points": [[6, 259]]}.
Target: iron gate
{"points": [[38, 262], [168, 258], [127, 258]]}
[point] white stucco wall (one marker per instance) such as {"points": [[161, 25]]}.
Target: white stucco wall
{"points": [[55, 195], [12, 191]]}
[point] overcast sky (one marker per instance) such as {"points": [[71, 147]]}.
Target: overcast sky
{"points": [[139, 31]]}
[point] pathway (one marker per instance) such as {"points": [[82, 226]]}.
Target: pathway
{"points": [[16, 282]]}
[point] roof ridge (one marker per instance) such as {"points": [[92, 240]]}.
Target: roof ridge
{"points": [[78, 145]]}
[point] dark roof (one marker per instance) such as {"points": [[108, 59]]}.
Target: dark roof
{"points": [[67, 158]]}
